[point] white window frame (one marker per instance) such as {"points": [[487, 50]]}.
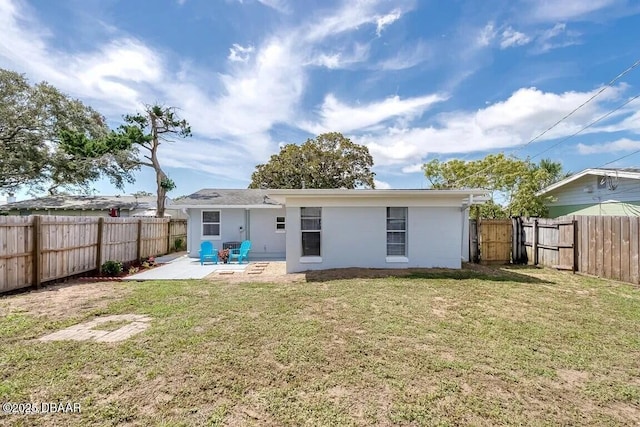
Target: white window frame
{"points": [[283, 223], [219, 222], [396, 258], [310, 258]]}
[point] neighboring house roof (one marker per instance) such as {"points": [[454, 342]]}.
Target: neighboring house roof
{"points": [[275, 198], [226, 198], [631, 173], [64, 202]]}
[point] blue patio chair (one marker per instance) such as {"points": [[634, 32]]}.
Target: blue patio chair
{"points": [[208, 253], [241, 253]]}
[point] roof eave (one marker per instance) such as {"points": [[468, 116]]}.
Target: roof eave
{"points": [[591, 171], [209, 206]]}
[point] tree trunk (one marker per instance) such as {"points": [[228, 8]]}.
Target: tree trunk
{"points": [[160, 175], [162, 193]]}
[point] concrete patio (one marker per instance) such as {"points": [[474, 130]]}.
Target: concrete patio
{"points": [[184, 268]]}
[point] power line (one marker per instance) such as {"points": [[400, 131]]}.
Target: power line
{"points": [[599, 119], [605, 87], [619, 158]]}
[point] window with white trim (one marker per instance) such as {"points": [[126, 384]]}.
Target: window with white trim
{"points": [[396, 231], [310, 227], [211, 224], [280, 224]]}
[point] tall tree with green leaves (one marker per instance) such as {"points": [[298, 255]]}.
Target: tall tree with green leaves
{"points": [[328, 161], [35, 123], [513, 181], [147, 131], [144, 131]]}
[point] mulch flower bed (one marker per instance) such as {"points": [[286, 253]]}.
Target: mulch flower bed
{"points": [[129, 269]]}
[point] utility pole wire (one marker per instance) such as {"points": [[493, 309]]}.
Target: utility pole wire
{"points": [[599, 119], [605, 87]]}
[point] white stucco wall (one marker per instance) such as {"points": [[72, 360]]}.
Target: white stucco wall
{"points": [[465, 236], [261, 230], [230, 222], [356, 237], [266, 243]]}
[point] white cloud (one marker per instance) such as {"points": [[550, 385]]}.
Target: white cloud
{"points": [[383, 21], [339, 117], [511, 38], [115, 74], [510, 123], [407, 57], [279, 5], [620, 145], [238, 53], [414, 168], [556, 37], [350, 17], [381, 185], [486, 35], [556, 30], [561, 10], [341, 59]]}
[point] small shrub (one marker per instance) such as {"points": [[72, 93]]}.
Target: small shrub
{"points": [[133, 270], [112, 268], [177, 244]]}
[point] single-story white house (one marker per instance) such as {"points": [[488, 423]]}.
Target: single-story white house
{"points": [[320, 229], [601, 191]]}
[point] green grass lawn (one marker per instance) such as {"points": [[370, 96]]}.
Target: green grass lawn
{"points": [[522, 346]]}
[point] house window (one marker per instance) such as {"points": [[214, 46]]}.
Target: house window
{"points": [[280, 224], [396, 231], [310, 226], [211, 224]]}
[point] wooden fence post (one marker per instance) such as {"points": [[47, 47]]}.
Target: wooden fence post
{"points": [[37, 251], [576, 248], [139, 242], [169, 235], [99, 253], [535, 241]]}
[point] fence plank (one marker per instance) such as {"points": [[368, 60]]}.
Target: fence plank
{"points": [[606, 250], [584, 236], [625, 250], [4, 280], [37, 251], [634, 249], [99, 245], [616, 242], [599, 247]]}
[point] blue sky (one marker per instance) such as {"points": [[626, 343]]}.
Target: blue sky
{"points": [[412, 80]]}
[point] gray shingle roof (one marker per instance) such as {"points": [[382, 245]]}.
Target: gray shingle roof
{"points": [[83, 202], [225, 197]]}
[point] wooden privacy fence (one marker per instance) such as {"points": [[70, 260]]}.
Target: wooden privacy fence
{"points": [[604, 246], [608, 246], [547, 242], [37, 249]]}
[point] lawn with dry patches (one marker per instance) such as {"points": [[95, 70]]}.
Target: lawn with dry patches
{"points": [[481, 347]]}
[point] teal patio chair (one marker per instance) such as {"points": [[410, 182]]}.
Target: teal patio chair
{"points": [[208, 253], [241, 253]]}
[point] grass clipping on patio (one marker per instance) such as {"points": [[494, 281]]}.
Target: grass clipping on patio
{"points": [[533, 347]]}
